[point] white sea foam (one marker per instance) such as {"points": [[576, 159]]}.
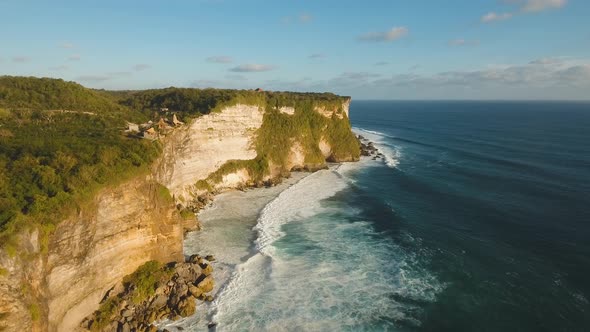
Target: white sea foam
{"points": [[392, 154], [300, 201], [318, 270]]}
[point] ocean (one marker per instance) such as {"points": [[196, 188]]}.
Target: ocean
{"points": [[478, 219]]}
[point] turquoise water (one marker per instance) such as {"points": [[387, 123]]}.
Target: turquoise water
{"points": [[477, 220]]}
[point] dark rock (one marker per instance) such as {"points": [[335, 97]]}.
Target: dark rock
{"points": [[187, 307], [211, 325], [193, 259], [195, 291], [210, 258], [126, 313], [206, 269], [159, 301]]}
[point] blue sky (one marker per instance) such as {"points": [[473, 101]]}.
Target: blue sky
{"points": [[404, 49]]}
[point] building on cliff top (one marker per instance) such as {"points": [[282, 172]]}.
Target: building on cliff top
{"points": [[150, 133], [175, 121]]}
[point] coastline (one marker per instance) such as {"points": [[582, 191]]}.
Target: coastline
{"points": [[231, 228], [227, 232]]}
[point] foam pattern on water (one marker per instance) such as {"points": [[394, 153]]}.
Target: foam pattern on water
{"points": [[391, 153], [321, 268]]}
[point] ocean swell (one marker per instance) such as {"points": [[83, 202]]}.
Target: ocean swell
{"points": [[320, 267]]}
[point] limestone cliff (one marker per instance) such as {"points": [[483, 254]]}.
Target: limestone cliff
{"points": [[192, 154], [199, 149], [122, 228], [137, 221]]}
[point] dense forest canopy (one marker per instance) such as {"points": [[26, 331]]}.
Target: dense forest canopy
{"points": [[61, 142]]}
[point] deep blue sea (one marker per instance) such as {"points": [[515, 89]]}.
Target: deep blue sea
{"points": [[494, 199], [478, 219]]}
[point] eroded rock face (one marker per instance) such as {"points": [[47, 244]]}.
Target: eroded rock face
{"points": [[128, 225], [199, 149], [192, 153], [90, 252]]}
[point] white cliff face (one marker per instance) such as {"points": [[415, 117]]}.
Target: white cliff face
{"points": [[129, 224], [287, 110], [91, 252], [327, 112], [194, 152]]}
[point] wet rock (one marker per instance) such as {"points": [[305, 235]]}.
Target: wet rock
{"points": [[195, 291], [206, 269], [126, 313], [206, 284], [187, 307], [159, 301]]}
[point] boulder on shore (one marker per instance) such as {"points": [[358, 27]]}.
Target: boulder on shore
{"points": [[176, 290]]}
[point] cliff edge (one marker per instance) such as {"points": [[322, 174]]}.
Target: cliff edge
{"points": [[56, 272]]}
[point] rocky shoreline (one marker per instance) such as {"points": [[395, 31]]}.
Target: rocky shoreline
{"points": [[179, 286], [368, 149], [153, 293]]}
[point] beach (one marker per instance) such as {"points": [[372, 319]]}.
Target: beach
{"points": [[227, 233]]}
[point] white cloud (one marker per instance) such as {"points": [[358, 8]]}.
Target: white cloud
{"points": [[381, 63], [117, 74], [59, 68], [236, 77], [302, 18], [141, 67], [493, 17], [540, 5], [219, 59], [305, 18], [20, 59], [317, 56], [463, 42], [74, 57], [549, 78], [104, 77], [248, 68], [385, 36], [535, 74], [66, 45]]}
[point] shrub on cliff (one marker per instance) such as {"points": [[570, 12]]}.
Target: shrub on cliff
{"points": [[144, 280]]}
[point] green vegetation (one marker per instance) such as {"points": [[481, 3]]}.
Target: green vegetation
{"points": [[60, 142], [35, 312], [195, 102], [51, 161], [145, 279], [256, 168], [203, 185], [187, 214], [53, 94], [280, 131], [104, 313], [141, 284], [164, 194]]}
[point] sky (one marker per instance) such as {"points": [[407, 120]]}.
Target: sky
{"points": [[395, 49]]}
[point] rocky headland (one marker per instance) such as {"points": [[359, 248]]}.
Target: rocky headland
{"points": [[54, 278]]}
